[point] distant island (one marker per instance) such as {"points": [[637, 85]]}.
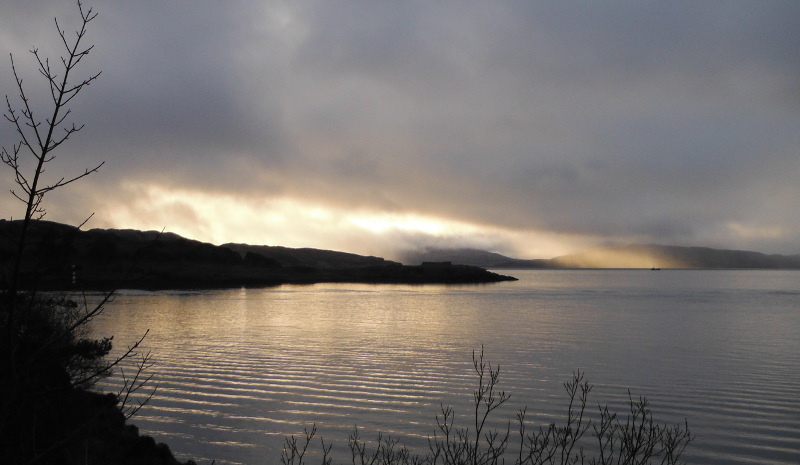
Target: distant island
{"points": [[60, 256], [629, 256]]}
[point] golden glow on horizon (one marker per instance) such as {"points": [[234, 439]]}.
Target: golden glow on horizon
{"points": [[379, 223], [220, 218]]}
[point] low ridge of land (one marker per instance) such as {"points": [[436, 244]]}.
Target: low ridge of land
{"points": [[60, 256]]}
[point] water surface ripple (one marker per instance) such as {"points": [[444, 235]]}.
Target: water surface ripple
{"points": [[238, 370]]}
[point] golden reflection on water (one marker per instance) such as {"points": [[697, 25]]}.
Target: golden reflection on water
{"points": [[238, 370]]}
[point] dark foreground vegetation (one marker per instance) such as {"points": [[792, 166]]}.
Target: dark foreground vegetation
{"points": [[49, 413], [603, 438]]}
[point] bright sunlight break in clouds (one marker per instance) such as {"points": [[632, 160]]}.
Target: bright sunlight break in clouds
{"points": [[526, 128]]}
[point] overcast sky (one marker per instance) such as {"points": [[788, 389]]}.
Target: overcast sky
{"points": [[526, 128]]}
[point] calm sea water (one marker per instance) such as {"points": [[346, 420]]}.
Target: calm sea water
{"points": [[238, 370]]}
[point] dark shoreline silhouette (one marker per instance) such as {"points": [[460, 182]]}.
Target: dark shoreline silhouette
{"points": [[61, 257]]}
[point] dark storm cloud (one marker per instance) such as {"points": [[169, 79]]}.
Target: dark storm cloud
{"points": [[665, 122]]}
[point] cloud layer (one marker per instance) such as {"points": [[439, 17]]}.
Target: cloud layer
{"points": [[528, 127]]}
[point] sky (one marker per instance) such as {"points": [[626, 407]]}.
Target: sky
{"points": [[529, 128]]}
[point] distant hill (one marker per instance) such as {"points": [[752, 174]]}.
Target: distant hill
{"points": [[474, 257], [112, 258], [630, 256], [665, 256]]}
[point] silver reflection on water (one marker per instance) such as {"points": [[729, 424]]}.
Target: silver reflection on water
{"points": [[240, 369]]}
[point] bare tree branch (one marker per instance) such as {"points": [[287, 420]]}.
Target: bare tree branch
{"points": [[41, 136]]}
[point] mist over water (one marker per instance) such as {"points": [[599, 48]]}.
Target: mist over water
{"points": [[240, 369]]}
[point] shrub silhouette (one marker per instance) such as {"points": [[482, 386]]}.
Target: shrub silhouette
{"points": [[612, 439]]}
